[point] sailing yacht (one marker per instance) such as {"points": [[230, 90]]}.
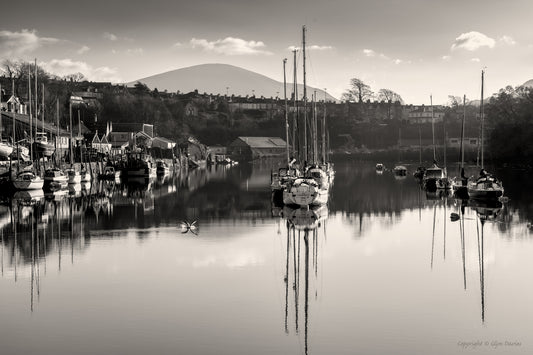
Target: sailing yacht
{"points": [[27, 180], [313, 188], [434, 176], [485, 186]]}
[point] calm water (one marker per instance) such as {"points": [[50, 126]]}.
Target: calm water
{"points": [[109, 269]]}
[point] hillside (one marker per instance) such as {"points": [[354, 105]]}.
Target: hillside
{"points": [[222, 79]]}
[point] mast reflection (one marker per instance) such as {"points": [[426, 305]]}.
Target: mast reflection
{"points": [[302, 225]]}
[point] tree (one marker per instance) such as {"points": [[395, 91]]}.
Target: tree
{"points": [[390, 97], [75, 78], [358, 91]]}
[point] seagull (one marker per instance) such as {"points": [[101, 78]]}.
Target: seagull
{"points": [[186, 227]]}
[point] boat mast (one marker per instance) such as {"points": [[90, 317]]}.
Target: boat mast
{"points": [[70, 129], [286, 110], [315, 131], [36, 102], [324, 131], [463, 134], [1, 130], [482, 114], [57, 122], [433, 128], [304, 96], [42, 107], [295, 98], [79, 136], [29, 105]]}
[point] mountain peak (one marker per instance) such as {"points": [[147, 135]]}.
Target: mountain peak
{"points": [[218, 78]]}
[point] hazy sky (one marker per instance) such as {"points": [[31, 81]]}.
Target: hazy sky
{"points": [[414, 47]]}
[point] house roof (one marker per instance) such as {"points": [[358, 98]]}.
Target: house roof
{"points": [[163, 139], [264, 142], [26, 120]]}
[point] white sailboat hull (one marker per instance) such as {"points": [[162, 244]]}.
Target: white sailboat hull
{"points": [[27, 182], [5, 150]]}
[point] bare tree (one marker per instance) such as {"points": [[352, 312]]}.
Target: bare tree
{"points": [[390, 97], [358, 91], [76, 77]]}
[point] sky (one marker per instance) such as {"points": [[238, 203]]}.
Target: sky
{"points": [[416, 48]]}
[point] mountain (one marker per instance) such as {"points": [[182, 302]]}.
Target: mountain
{"points": [[222, 79]]}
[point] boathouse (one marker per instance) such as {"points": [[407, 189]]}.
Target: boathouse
{"points": [[252, 148]]}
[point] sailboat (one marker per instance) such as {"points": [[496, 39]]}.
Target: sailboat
{"points": [[5, 148], [313, 188], [485, 186], [400, 170], [460, 185], [434, 173], [41, 146], [286, 175], [27, 180]]}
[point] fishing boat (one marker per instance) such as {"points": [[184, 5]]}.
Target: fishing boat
{"points": [[27, 180], [485, 186]]}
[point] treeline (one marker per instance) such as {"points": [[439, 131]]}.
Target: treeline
{"points": [[510, 126]]}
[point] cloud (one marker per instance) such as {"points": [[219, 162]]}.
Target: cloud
{"points": [[507, 40], [25, 41], [313, 47], [369, 52], [230, 46], [134, 51], [446, 57], [475, 60], [397, 61], [62, 67], [83, 49], [472, 41], [110, 36], [177, 44]]}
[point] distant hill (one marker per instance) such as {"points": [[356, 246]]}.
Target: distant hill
{"points": [[222, 79]]}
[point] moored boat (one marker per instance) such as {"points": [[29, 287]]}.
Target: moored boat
{"points": [[109, 173], [74, 176], [41, 145], [5, 149], [55, 175], [139, 165], [485, 187], [27, 180], [162, 168]]}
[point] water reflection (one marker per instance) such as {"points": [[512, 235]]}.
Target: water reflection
{"points": [[406, 252], [304, 228]]}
